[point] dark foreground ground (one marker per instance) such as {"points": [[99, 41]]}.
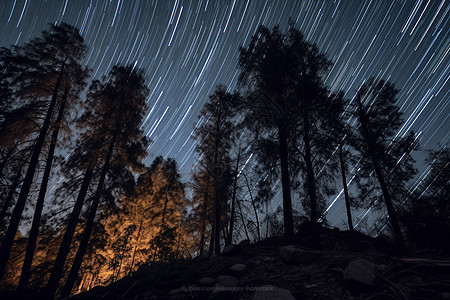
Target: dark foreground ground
{"points": [[351, 267]]}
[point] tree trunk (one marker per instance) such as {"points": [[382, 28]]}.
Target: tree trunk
{"points": [[258, 229], [344, 184], [64, 248], [389, 206], [71, 278], [286, 186], [138, 238], [243, 221], [26, 268], [202, 236], [211, 240], [5, 250], [217, 204], [310, 182], [371, 144], [233, 199]]}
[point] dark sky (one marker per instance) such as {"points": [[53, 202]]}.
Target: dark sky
{"points": [[188, 47]]}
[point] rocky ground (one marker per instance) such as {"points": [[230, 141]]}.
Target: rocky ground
{"points": [[351, 267]]}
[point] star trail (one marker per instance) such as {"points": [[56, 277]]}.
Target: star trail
{"points": [[188, 47]]}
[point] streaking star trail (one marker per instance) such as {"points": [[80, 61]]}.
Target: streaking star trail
{"points": [[189, 47]]}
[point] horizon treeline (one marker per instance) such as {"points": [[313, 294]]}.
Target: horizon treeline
{"points": [[72, 171]]}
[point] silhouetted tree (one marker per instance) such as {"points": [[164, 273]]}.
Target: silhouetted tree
{"points": [[341, 136], [214, 137], [426, 213], [379, 119], [72, 87], [48, 62], [282, 75], [117, 106], [202, 207]]}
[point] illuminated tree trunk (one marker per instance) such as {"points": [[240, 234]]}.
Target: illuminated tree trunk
{"points": [[138, 238]]}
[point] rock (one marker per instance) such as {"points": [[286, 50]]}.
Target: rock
{"points": [[360, 271], [238, 268], [207, 281], [269, 292], [227, 280], [175, 292], [230, 250], [292, 254], [244, 243], [268, 259]]}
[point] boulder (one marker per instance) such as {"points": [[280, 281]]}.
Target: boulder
{"points": [[292, 254], [360, 273], [244, 243], [227, 280], [231, 250], [238, 268], [269, 292], [207, 281]]}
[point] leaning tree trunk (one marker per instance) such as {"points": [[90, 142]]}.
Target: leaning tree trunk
{"points": [[73, 273], [344, 184], [286, 186], [5, 250], [371, 144], [26, 268], [64, 248]]}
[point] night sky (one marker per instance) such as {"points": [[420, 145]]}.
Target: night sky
{"points": [[188, 47]]}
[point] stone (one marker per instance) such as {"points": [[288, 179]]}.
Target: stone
{"points": [[270, 292], [230, 250], [238, 268], [227, 280], [360, 271], [268, 259], [292, 254], [175, 292], [244, 243], [207, 281]]}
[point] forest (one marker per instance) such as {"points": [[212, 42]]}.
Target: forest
{"points": [[79, 208]]}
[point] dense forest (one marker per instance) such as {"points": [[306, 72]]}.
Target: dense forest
{"points": [[79, 208]]}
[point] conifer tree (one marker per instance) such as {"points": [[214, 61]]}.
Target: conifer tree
{"points": [[282, 77], [389, 158], [214, 137], [46, 63], [117, 108]]}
